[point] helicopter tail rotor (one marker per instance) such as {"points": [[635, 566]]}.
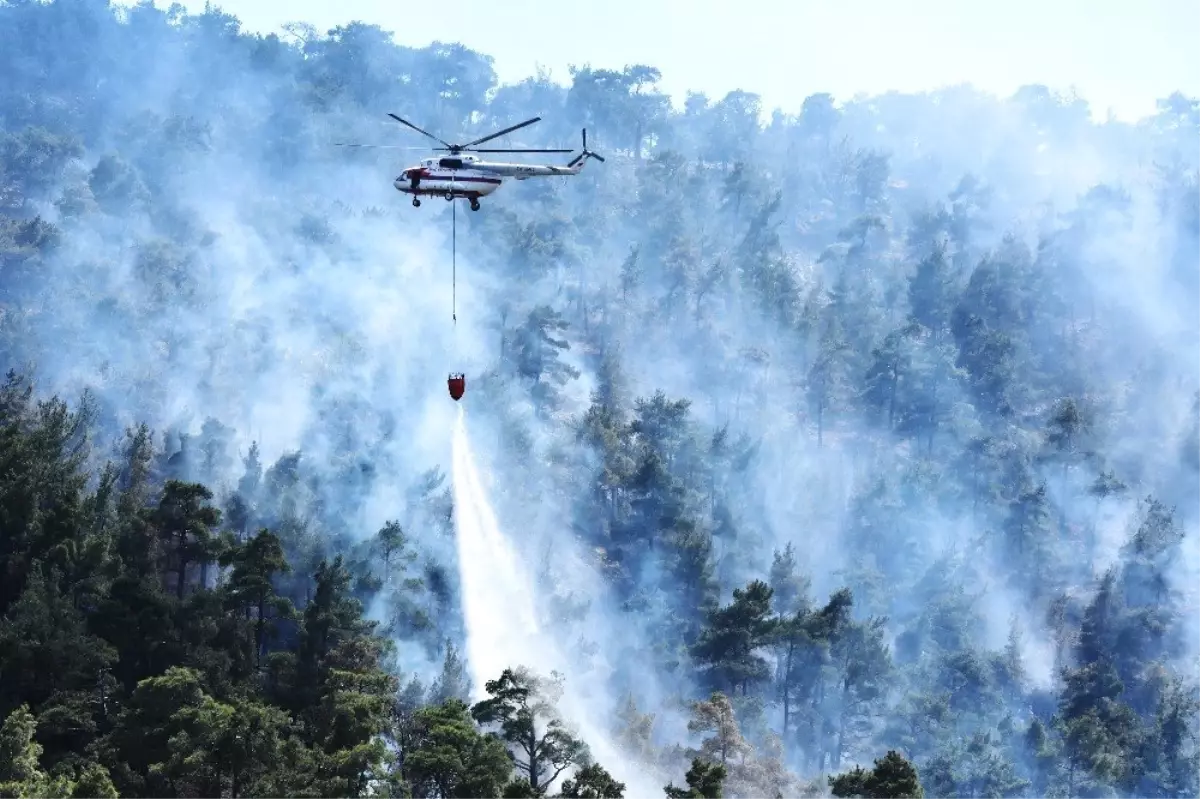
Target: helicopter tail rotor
{"points": [[586, 153]]}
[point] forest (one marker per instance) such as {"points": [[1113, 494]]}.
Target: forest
{"points": [[851, 449]]}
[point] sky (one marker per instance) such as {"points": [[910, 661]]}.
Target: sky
{"points": [[1119, 55]]}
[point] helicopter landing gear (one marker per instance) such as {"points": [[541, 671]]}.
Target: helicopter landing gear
{"points": [[474, 204], [416, 202]]}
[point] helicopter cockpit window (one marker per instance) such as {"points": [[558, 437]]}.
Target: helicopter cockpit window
{"points": [[450, 163]]}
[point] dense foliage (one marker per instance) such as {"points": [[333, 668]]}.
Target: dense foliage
{"points": [[860, 449]]}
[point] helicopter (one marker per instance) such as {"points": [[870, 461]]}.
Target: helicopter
{"points": [[464, 175]]}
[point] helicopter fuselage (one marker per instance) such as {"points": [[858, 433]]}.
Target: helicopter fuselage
{"points": [[443, 182], [467, 176]]}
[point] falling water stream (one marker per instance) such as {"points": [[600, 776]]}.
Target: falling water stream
{"points": [[498, 606], [499, 609]]}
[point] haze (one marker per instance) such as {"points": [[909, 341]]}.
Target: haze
{"points": [[1119, 56], [849, 449]]}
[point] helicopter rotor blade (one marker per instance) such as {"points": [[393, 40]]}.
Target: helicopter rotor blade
{"points": [[489, 150], [489, 137], [379, 146], [418, 130]]}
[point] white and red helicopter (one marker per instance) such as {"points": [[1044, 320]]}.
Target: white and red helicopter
{"points": [[463, 174]]}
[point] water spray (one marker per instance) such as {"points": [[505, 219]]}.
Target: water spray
{"points": [[500, 613]]}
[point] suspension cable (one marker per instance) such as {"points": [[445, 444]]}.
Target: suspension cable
{"points": [[454, 261]]}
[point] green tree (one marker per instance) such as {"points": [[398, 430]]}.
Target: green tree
{"points": [[94, 783], [453, 682], [522, 705], [32, 162], [448, 757], [20, 771], [184, 523], [592, 782], [829, 380], [789, 588], [535, 352], [704, 781], [892, 776], [729, 646], [251, 590], [51, 662], [21, 774], [931, 292], [340, 688]]}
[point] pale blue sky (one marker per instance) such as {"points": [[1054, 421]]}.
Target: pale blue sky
{"points": [[1119, 54]]}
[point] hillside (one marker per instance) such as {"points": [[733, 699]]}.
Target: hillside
{"points": [[854, 452]]}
